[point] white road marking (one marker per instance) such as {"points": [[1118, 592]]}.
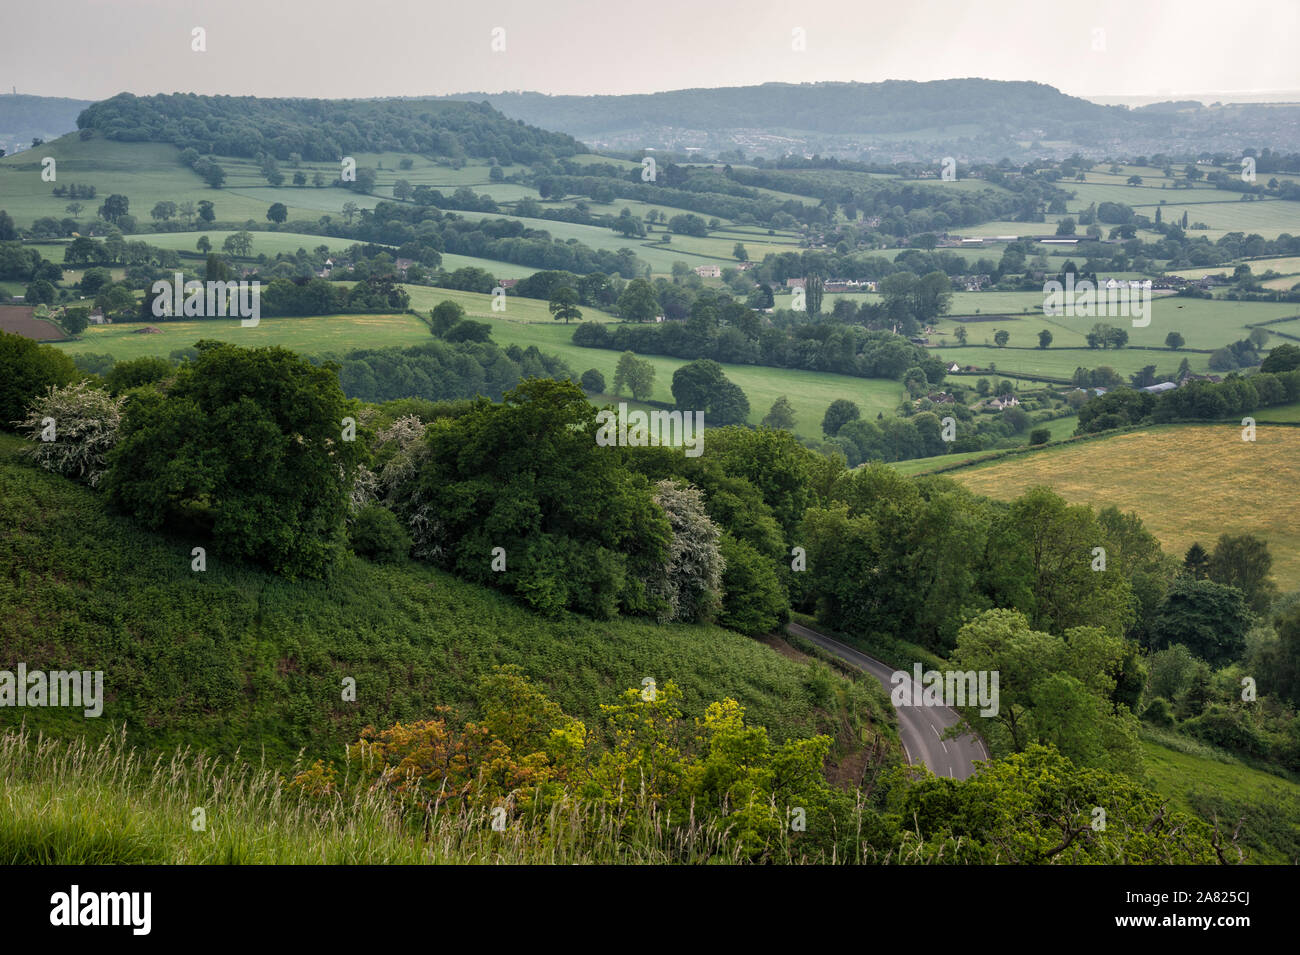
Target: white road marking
{"points": [[941, 742]]}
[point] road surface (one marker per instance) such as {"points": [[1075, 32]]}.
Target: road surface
{"points": [[920, 727]]}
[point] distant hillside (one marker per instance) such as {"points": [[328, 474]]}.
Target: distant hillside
{"points": [[896, 120], [24, 118], [322, 130], [894, 106]]}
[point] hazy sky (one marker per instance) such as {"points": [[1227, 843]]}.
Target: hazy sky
{"points": [[359, 48]]}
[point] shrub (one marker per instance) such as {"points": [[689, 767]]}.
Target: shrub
{"points": [[376, 533], [1040, 436], [467, 330], [1159, 713], [246, 441], [692, 582], [84, 422], [593, 382]]}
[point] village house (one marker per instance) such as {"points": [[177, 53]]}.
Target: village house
{"points": [[1003, 401], [937, 398], [708, 271]]}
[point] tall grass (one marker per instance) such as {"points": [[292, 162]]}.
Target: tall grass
{"points": [[78, 802]]}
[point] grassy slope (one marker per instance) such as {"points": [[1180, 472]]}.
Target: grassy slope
{"points": [[233, 657], [1186, 482], [1186, 779], [323, 333]]}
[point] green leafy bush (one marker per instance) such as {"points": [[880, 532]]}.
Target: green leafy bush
{"points": [[378, 534]]}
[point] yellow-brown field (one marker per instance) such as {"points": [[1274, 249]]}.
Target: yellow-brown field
{"points": [[1187, 483]]}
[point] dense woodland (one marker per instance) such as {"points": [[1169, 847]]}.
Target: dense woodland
{"points": [[321, 130]]}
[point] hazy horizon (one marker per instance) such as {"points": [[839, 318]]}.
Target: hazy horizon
{"points": [[330, 49]]}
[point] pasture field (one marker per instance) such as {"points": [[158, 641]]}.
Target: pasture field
{"points": [[149, 172], [1283, 413], [146, 172], [1286, 265], [1188, 483], [971, 254], [717, 246], [1061, 362], [1005, 227], [1107, 188], [527, 322], [1203, 323], [1267, 217], [498, 269], [924, 465], [519, 310], [1291, 327], [1059, 427], [311, 336], [264, 243], [659, 256]]}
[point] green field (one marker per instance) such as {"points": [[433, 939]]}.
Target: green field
{"points": [[1283, 413], [525, 322], [1058, 428], [811, 392], [149, 172], [264, 243], [658, 256], [1061, 362], [1188, 483], [1286, 265], [1195, 782], [311, 336]]}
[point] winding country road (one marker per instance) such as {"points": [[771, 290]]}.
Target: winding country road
{"points": [[920, 727]]}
